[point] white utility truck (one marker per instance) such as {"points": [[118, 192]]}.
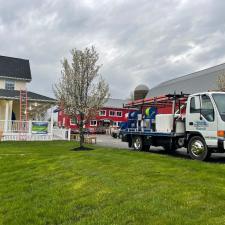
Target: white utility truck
{"points": [[196, 122]]}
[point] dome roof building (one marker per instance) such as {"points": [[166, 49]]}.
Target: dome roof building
{"points": [[140, 91]]}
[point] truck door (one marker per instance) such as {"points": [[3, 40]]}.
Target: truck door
{"points": [[201, 118]]}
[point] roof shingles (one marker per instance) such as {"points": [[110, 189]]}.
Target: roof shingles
{"points": [[15, 95], [15, 68]]}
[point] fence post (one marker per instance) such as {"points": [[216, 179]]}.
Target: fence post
{"points": [[30, 129], [69, 133], [52, 122]]}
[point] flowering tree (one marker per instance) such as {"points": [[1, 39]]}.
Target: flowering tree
{"points": [[81, 91]]}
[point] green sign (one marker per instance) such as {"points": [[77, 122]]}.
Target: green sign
{"points": [[39, 127]]}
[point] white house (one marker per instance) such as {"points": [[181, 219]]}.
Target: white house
{"points": [[18, 107]]}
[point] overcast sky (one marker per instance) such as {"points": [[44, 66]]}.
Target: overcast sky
{"points": [[139, 41]]}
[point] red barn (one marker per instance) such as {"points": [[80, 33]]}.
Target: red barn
{"points": [[110, 115]]}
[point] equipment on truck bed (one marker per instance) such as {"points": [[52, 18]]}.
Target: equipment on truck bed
{"points": [[195, 121]]}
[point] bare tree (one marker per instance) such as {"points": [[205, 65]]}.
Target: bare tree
{"points": [[81, 91], [221, 82]]}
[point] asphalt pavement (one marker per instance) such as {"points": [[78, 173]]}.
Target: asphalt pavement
{"points": [[109, 141]]}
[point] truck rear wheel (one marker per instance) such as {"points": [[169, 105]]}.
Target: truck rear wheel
{"points": [[197, 148], [137, 143]]}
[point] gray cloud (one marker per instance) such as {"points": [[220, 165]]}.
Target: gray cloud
{"points": [[141, 41]]}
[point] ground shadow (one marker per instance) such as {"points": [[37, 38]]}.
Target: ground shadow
{"points": [[176, 154], [215, 158], [82, 149]]}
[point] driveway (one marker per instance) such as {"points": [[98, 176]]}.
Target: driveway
{"points": [[108, 141]]}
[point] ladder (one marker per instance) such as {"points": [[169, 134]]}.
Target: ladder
{"points": [[23, 115]]}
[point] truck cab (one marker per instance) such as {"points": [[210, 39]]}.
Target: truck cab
{"points": [[205, 124]]}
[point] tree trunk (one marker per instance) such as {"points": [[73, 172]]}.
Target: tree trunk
{"points": [[81, 130]]}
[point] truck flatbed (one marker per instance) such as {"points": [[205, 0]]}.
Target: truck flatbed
{"points": [[147, 132]]}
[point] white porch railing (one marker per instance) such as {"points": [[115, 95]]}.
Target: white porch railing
{"points": [[14, 126], [19, 131]]}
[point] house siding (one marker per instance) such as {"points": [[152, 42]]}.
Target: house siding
{"points": [[20, 85]]}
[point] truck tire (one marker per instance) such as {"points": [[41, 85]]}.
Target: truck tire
{"points": [[137, 143], [197, 148]]}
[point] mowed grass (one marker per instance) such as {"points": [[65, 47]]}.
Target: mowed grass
{"points": [[47, 183]]}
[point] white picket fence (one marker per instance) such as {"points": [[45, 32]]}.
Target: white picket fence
{"points": [[22, 131], [61, 134]]}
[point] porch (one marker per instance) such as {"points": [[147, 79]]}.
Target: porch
{"points": [[32, 131], [33, 122]]}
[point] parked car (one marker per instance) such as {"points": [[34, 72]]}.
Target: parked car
{"points": [[86, 131], [116, 132]]}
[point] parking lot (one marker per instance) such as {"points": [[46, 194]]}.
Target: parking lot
{"points": [[108, 141]]}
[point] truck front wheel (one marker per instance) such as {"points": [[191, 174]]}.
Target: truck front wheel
{"points": [[137, 143], [197, 148]]}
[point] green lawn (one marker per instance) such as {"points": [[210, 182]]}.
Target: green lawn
{"points": [[47, 183]]}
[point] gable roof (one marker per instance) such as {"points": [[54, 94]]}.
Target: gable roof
{"points": [[33, 97], [199, 81], [15, 68]]}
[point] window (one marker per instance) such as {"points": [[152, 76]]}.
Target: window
{"points": [[220, 102], [207, 108], [9, 85], [193, 106], [112, 113], [73, 121], [119, 114], [102, 113], [116, 123], [93, 123]]}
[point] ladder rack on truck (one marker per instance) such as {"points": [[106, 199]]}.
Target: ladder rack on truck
{"points": [[196, 122]]}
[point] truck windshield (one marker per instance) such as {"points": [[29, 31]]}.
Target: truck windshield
{"points": [[220, 103]]}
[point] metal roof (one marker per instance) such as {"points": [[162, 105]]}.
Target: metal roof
{"points": [[14, 68], [15, 95], [115, 103], [200, 81]]}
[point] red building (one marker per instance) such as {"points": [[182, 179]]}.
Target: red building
{"points": [[110, 115]]}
